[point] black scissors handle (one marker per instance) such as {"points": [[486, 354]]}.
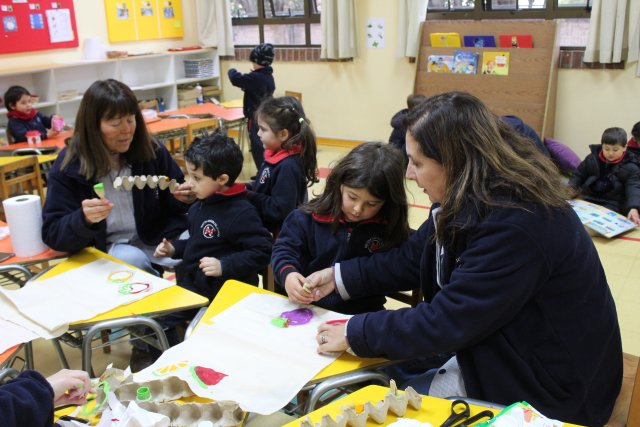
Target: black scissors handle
{"points": [[477, 417], [457, 415]]}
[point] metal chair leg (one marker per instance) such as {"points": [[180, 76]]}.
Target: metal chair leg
{"points": [[61, 356], [7, 374], [194, 322], [28, 355]]}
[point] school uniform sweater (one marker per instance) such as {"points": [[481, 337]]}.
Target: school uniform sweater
{"points": [[26, 400], [18, 128], [157, 213], [256, 85], [524, 303], [227, 227], [307, 243], [279, 188], [615, 186]]}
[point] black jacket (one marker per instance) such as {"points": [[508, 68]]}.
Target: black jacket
{"points": [[256, 85]]}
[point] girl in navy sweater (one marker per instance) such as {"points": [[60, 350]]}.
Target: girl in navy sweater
{"points": [[290, 163], [23, 117], [362, 210]]}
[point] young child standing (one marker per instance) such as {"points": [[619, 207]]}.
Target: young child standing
{"points": [[23, 117], [363, 209], [257, 85], [290, 160], [610, 175]]}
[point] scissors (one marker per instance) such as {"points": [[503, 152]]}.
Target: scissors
{"points": [[460, 411]]}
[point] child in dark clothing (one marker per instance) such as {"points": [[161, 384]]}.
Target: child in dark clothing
{"points": [[23, 117], [362, 210], [257, 85], [634, 142], [397, 137], [610, 175], [290, 160]]}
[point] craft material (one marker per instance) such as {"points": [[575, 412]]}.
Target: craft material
{"points": [[143, 394], [33, 137], [24, 218], [140, 181], [99, 189], [57, 123], [337, 322], [306, 287]]}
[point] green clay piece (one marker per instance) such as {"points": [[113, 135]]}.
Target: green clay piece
{"points": [[99, 186], [143, 394], [280, 322]]}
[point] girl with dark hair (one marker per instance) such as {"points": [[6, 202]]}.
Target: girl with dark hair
{"points": [[362, 210], [512, 281], [111, 140], [290, 163], [23, 117]]}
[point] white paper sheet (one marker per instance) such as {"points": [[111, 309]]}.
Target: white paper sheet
{"points": [[264, 365], [59, 22], [83, 293], [13, 334]]}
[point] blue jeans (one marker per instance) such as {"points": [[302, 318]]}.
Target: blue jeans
{"points": [[134, 256]]}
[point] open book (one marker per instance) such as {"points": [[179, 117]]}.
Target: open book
{"points": [[600, 219]]}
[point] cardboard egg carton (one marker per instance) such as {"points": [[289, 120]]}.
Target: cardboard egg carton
{"points": [[394, 402], [218, 414], [164, 390], [140, 181]]}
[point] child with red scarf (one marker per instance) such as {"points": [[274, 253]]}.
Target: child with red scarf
{"points": [[23, 117], [610, 175]]}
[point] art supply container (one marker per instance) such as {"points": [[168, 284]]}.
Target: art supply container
{"points": [[33, 137]]}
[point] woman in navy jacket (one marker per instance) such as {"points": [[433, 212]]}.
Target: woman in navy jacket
{"points": [[111, 140], [512, 281]]}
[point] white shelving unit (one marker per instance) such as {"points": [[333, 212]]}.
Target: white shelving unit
{"points": [[149, 76]]}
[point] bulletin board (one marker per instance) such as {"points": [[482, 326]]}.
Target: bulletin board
{"points": [[27, 25], [131, 20]]}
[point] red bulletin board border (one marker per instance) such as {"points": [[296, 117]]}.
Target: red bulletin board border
{"points": [[25, 38]]}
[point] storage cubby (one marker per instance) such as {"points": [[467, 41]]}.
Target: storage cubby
{"points": [[530, 88]]}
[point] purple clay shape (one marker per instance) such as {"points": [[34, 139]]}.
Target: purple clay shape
{"points": [[299, 316]]}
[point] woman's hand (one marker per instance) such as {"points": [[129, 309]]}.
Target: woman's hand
{"points": [[321, 283], [96, 210], [184, 193], [634, 216], [331, 338], [211, 266], [164, 249], [294, 285], [70, 387]]}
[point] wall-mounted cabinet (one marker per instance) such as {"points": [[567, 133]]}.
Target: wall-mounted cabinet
{"points": [[60, 87]]}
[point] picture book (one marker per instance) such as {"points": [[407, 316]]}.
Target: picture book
{"points": [[516, 40], [465, 62], [495, 63], [440, 64], [445, 39], [479, 41], [600, 219]]}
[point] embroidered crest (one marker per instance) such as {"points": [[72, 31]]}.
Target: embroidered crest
{"points": [[373, 244], [210, 229], [264, 176]]}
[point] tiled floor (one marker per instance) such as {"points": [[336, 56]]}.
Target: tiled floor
{"points": [[620, 257]]}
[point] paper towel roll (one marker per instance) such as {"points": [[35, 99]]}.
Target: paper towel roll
{"points": [[24, 218]]}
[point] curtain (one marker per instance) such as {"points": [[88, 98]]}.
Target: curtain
{"points": [[608, 27], [410, 14], [213, 18], [338, 22]]}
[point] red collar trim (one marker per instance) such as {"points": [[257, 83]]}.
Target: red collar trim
{"points": [[14, 114], [234, 190], [604, 159], [328, 218], [275, 157]]}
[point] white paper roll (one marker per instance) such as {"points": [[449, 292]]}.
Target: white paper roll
{"points": [[92, 49], [24, 218]]}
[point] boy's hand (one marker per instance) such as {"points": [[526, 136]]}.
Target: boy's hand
{"points": [[164, 249], [634, 216], [294, 284], [211, 266], [96, 210]]}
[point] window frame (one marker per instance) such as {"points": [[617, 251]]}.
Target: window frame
{"points": [[482, 10], [261, 20]]}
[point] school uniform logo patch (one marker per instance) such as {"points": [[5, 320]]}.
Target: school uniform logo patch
{"points": [[373, 244], [210, 229], [264, 176]]}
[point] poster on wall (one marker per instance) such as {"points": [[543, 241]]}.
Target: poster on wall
{"points": [[132, 20], [375, 33]]}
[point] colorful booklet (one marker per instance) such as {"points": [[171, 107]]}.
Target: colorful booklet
{"points": [[465, 62], [445, 39], [516, 40], [495, 63], [440, 64], [600, 219], [479, 41]]}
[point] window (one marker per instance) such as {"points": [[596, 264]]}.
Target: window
{"points": [[280, 22], [508, 9]]}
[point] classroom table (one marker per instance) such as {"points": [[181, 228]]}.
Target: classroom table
{"points": [[47, 255], [7, 355], [433, 410], [168, 131], [49, 145]]}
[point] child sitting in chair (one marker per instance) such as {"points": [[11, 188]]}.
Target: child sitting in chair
{"points": [[24, 118]]}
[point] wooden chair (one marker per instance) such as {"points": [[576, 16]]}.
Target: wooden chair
{"points": [[20, 177], [194, 130], [626, 411], [296, 95]]}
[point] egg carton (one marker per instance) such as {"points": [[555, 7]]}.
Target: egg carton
{"points": [[213, 414], [394, 402], [164, 390], [140, 181]]}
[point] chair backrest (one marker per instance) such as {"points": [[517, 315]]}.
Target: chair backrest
{"points": [[195, 129], [626, 411], [296, 95], [21, 176]]}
